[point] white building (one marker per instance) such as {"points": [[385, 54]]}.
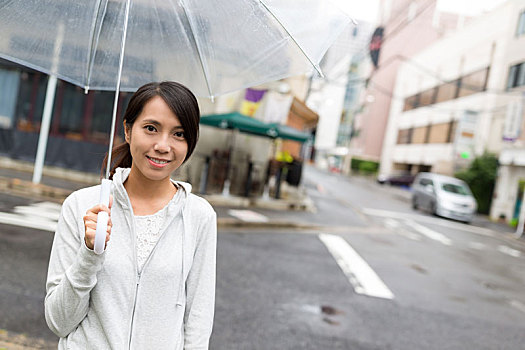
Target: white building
{"points": [[451, 101], [327, 95]]}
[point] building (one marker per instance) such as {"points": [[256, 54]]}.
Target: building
{"points": [[334, 97], [458, 99], [407, 27]]}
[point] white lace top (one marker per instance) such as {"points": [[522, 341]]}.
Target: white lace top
{"points": [[149, 231]]}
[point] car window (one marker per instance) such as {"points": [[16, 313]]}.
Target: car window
{"points": [[424, 182], [455, 188]]}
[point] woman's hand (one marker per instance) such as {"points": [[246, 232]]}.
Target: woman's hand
{"points": [[90, 223]]}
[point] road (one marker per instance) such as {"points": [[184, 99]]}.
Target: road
{"points": [[379, 276]]}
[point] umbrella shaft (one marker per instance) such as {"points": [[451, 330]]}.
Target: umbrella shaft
{"points": [[117, 90]]}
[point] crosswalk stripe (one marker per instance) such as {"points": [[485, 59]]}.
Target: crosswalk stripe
{"points": [[509, 251], [359, 273], [396, 227], [29, 211], [431, 220], [41, 216], [425, 231], [247, 215], [24, 221]]}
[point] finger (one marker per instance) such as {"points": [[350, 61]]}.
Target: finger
{"points": [[91, 225], [110, 201], [98, 208]]}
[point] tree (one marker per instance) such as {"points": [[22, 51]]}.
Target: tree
{"points": [[481, 177]]}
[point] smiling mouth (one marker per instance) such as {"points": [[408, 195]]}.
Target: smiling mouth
{"points": [[158, 161]]}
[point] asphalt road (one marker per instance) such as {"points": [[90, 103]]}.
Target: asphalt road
{"points": [[452, 286]]}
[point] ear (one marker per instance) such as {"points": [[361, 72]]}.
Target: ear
{"points": [[127, 132]]}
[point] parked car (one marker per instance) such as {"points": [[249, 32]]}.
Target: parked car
{"points": [[443, 196], [396, 179]]}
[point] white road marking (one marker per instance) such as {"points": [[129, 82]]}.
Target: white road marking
{"points": [[31, 211], [396, 227], [425, 231], [432, 220], [476, 245], [509, 251], [391, 223], [247, 215], [40, 216], [24, 221], [360, 274], [518, 305]]}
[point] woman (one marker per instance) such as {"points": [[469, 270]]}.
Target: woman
{"points": [[154, 285]]}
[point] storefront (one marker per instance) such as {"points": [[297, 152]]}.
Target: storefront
{"points": [[79, 130]]}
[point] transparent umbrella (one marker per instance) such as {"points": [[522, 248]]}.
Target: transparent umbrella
{"points": [[211, 46]]}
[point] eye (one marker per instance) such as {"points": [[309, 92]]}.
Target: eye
{"points": [[150, 128], [179, 135]]}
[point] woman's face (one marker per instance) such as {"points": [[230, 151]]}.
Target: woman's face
{"points": [[157, 141]]}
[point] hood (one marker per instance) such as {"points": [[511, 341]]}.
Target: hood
{"points": [[120, 194]]}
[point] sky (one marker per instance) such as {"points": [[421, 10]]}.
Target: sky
{"points": [[367, 10]]}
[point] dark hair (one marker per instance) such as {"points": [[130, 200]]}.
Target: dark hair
{"points": [[182, 103]]}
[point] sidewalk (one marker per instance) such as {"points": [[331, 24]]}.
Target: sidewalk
{"points": [[56, 184], [297, 211]]}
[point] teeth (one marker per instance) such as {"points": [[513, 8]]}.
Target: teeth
{"points": [[158, 161]]}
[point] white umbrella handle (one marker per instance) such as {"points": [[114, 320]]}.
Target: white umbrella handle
{"points": [[102, 218]]}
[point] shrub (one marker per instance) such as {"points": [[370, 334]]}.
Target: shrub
{"points": [[366, 167], [481, 177]]}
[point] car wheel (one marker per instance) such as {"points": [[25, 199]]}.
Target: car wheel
{"points": [[414, 203], [433, 208]]}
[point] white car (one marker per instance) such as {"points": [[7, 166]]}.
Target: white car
{"points": [[443, 196]]}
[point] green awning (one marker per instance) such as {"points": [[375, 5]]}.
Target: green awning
{"points": [[288, 133], [240, 122], [253, 126]]}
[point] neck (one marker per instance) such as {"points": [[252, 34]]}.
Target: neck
{"points": [[142, 188]]}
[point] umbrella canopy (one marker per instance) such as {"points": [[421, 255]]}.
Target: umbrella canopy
{"points": [[211, 46], [240, 122]]}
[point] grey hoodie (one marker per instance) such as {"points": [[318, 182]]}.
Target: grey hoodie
{"points": [[102, 302]]}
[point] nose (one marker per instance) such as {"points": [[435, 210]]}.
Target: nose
{"points": [[162, 145]]}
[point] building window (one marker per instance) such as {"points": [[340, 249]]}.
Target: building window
{"points": [[473, 82], [516, 76], [447, 91], [30, 101], [411, 102], [451, 131], [439, 133], [521, 24], [427, 97], [404, 136], [419, 134], [466, 85]]}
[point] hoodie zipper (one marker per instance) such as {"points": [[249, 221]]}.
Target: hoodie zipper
{"points": [[134, 238], [133, 311], [137, 281]]}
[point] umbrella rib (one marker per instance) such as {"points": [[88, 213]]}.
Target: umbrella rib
{"points": [[94, 40], [117, 90], [198, 51], [316, 66]]}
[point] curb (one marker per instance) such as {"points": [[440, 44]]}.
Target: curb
{"points": [[275, 224], [15, 341], [27, 188]]}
